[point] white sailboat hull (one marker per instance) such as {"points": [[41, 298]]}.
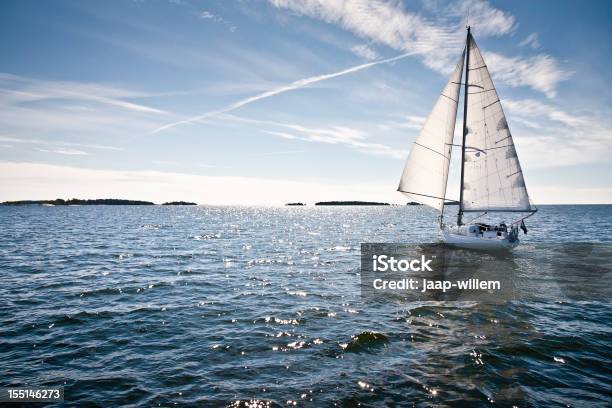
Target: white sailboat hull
{"points": [[455, 238]]}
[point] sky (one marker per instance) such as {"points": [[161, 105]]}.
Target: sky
{"points": [[268, 102]]}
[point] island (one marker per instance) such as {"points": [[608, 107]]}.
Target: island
{"points": [[76, 201], [179, 203], [350, 203], [292, 204], [413, 203]]}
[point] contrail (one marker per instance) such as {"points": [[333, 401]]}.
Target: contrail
{"points": [[290, 87]]}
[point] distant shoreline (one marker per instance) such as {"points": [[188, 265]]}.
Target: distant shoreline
{"points": [[179, 203], [100, 201], [115, 201]]}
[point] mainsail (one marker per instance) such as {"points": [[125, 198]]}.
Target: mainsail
{"points": [[426, 171], [493, 179]]}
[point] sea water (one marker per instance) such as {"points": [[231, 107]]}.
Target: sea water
{"points": [[214, 306]]}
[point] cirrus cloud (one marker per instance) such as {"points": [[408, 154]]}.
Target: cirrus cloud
{"points": [[437, 42]]}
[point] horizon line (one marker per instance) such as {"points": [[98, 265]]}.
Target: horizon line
{"points": [[304, 203]]}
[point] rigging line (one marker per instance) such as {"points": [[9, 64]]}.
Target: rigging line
{"points": [[486, 90], [516, 172], [491, 104], [435, 151], [498, 210], [498, 147], [449, 98], [524, 218], [501, 140], [477, 217], [476, 148], [480, 67], [426, 195], [463, 83]]}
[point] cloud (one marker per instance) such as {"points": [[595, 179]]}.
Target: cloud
{"points": [[562, 138], [301, 83], [20, 89], [487, 20], [437, 42], [530, 108], [387, 24], [55, 143], [68, 152], [547, 194], [364, 51], [356, 139], [36, 111], [22, 180], [532, 40], [547, 150], [207, 15], [341, 136], [280, 153], [407, 122], [546, 136], [541, 72], [284, 135], [213, 166]]}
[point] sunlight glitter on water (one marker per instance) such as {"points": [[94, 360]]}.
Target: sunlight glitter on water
{"points": [[213, 305]]}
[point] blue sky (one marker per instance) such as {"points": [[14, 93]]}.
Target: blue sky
{"points": [[254, 102]]}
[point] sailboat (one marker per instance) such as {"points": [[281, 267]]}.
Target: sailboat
{"points": [[491, 175]]}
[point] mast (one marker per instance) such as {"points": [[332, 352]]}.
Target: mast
{"points": [[465, 104]]}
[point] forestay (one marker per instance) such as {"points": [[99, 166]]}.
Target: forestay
{"points": [[493, 179], [426, 171]]}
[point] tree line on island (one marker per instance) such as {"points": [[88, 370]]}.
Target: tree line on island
{"points": [[99, 201], [119, 201]]}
